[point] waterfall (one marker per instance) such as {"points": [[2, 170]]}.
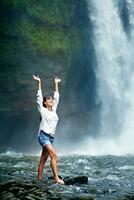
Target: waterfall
{"points": [[114, 49]]}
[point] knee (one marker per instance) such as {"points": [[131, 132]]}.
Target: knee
{"points": [[54, 155]]}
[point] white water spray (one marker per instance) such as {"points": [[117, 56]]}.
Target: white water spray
{"points": [[115, 78]]}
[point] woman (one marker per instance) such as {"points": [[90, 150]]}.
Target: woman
{"points": [[47, 107]]}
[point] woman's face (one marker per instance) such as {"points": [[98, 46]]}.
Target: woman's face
{"points": [[49, 101]]}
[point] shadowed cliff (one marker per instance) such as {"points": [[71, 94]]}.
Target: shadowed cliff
{"points": [[49, 38]]}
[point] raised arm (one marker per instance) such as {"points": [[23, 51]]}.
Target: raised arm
{"points": [[56, 93], [57, 80], [39, 93], [37, 78]]}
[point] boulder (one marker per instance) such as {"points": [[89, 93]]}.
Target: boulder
{"points": [[76, 180]]}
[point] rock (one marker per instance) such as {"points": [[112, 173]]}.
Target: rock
{"points": [[76, 180], [83, 197], [7, 196], [34, 196], [14, 190], [39, 198], [55, 198], [129, 197], [9, 173], [26, 185], [5, 185], [105, 191], [28, 197], [22, 193], [92, 190]]}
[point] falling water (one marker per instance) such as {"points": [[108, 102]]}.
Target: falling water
{"points": [[115, 76]]}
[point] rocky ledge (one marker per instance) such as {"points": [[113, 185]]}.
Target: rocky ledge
{"points": [[39, 190]]}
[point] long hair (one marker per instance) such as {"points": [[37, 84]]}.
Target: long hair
{"points": [[44, 100]]}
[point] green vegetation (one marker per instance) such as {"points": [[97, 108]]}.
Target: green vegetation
{"points": [[41, 25], [36, 37]]}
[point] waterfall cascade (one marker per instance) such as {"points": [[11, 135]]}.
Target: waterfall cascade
{"points": [[115, 76]]}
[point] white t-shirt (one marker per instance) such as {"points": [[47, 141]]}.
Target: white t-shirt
{"points": [[49, 119]]}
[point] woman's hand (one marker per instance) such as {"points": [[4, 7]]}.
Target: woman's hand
{"points": [[37, 78], [57, 80]]}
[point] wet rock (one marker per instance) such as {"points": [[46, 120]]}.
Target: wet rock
{"points": [[34, 196], [105, 191], [49, 192], [20, 190], [30, 198], [7, 184], [4, 187], [39, 198], [76, 180], [92, 190], [9, 173], [83, 197], [129, 197], [7, 196], [26, 185], [37, 192], [14, 190], [22, 193], [55, 198]]}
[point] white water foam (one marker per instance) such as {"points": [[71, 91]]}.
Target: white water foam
{"points": [[12, 154], [23, 165], [126, 167]]}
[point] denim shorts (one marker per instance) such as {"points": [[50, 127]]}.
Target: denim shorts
{"points": [[45, 138]]}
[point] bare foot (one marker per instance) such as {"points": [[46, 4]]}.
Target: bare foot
{"points": [[39, 178], [59, 181]]}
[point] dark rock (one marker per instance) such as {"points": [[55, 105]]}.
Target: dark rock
{"points": [[22, 193], [9, 173], [39, 198], [55, 198], [7, 196], [14, 190], [129, 197], [83, 197], [26, 185], [105, 191], [38, 192], [92, 190], [76, 180], [49, 192], [28, 197], [5, 185], [35, 197]]}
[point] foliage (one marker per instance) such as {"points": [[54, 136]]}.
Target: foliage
{"points": [[35, 34]]}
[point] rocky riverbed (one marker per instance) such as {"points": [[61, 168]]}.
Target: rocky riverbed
{"points": [[86, 177]]}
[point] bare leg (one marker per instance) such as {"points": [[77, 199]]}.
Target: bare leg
{"points": [[43, 159], [51, 151]]}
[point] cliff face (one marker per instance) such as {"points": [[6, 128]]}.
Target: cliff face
{"points": [[34, 39], [45, 37], [37, 37]]}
